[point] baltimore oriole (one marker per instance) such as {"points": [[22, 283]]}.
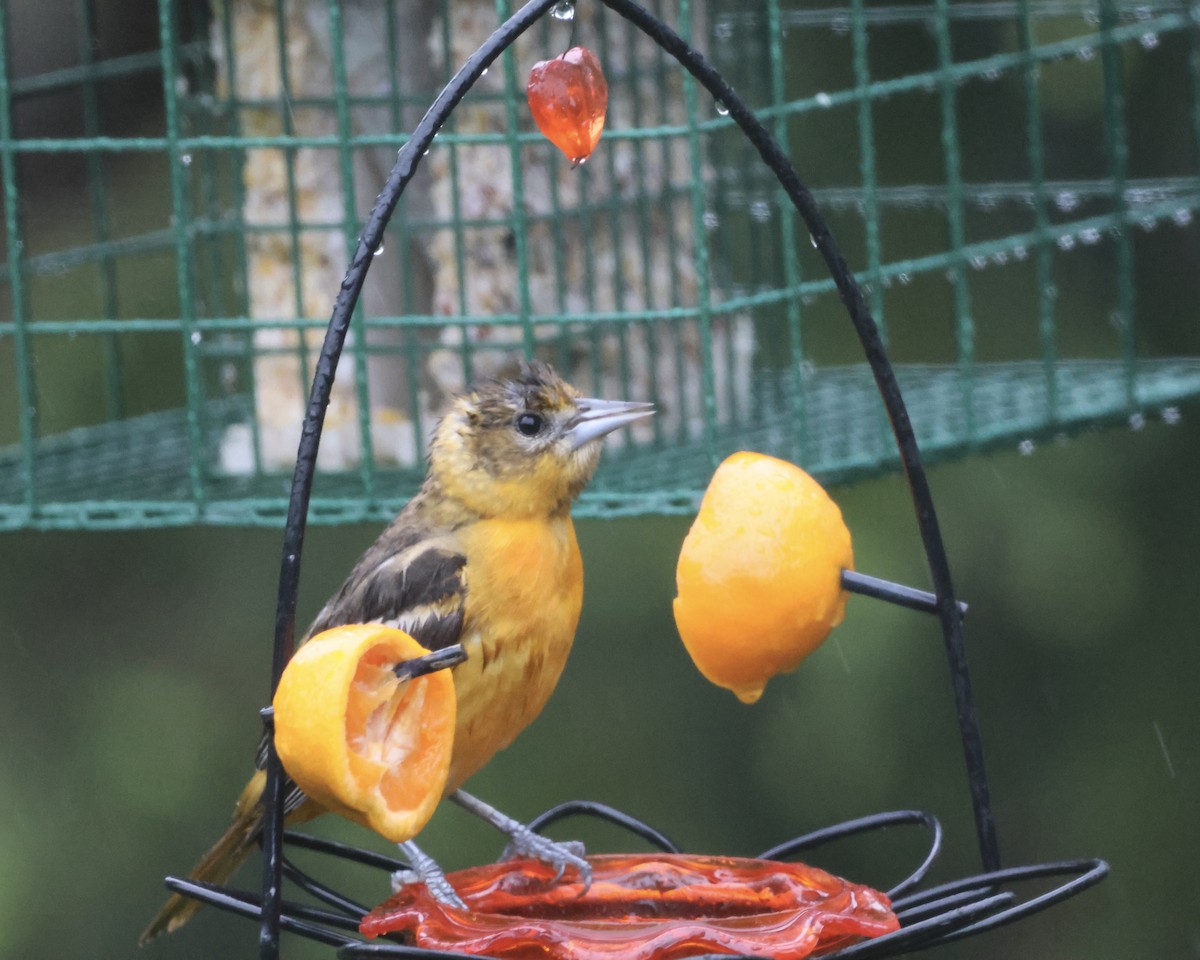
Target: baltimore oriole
{"points": [[484, 554]]}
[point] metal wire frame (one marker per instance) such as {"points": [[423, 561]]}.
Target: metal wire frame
{"points": [[929, 917], [982, 910]]}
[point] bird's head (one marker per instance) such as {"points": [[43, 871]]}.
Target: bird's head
{"points": [[523, 445]]}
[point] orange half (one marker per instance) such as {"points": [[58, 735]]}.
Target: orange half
{"points": [[360, 741]]}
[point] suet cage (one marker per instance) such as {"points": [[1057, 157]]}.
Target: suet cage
{"points": [[1007, 270]]}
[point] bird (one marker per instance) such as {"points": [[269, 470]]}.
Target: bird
{"points": [[484, 555]]}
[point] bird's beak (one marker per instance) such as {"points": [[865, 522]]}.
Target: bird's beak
{"points": [[598, 417]]}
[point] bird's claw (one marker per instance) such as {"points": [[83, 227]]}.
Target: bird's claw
{"points": [[402, 878], [424, 869], [558, 854], [437, 885]]}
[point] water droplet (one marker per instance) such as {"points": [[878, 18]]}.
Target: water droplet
{"points": [[1026, 447], [1090, 236], [1020, 252], [840, 26], [1147, 223], [760, 210], [824, 100], [185, 159], [1148, 40], [722, 109], [993, 74], [1085, 53], [1000, 258], [1143, 13], [378, 250], [979, 262], [813, 241], [1170, 415], [1066, 242], [723, 30], [196, 336], [905, 279], [1066, 201], [711, 220], [1182, 217], [426, 153], [564, 10], [484, 73], [1092, 17], [1137, 421]]}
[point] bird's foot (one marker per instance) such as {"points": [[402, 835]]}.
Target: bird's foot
{"points": [[402, 878], [523, 842], [425, 869]]}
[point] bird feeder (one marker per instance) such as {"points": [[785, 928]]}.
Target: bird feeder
{"points": [[772, 907]]}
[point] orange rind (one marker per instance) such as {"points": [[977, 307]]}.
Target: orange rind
{"points": [[357, 739], [759, 575]]}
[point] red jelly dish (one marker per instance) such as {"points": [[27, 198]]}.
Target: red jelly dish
{"points": [[656, 907]]}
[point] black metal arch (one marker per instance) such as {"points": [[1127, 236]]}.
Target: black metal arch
{"points": [[947, 607]]}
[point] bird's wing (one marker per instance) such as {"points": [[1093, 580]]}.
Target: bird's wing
{"points": [[408, 580], [418, 585]]}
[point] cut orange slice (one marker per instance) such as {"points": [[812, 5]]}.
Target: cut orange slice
{"points": [[759, 575], [360, 741]]}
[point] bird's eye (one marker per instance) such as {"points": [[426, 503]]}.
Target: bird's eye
{"points": [[530, 424]]}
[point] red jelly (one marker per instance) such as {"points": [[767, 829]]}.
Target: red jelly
{"points": [[568, 97], [658, 907]]}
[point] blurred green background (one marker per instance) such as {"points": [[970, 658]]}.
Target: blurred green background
{"points": [[135, 662]]}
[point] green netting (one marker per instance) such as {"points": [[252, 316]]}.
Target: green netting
{"points": [[1014, 181]]}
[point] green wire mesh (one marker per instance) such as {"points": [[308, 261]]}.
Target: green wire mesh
{"points": [[1014, 181]]}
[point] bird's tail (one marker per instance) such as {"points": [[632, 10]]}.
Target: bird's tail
{"points": [[219, 864]]}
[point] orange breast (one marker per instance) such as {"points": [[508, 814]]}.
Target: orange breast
{"points": [[524, 594]]}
